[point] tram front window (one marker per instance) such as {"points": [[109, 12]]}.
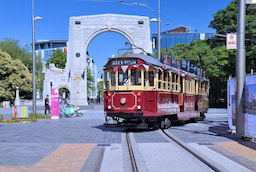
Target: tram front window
{"points": [[122, 77], [135, 77], [113, 79], [107, 80]]}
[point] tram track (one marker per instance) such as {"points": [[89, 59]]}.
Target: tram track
{"points": [[210, 165], [132, 157]]}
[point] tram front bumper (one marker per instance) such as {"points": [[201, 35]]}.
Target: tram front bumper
{"points": [[126, 115]]}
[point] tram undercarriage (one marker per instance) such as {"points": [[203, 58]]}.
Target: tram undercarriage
{"points": [[138, 121]]}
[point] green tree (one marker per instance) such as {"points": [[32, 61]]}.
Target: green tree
{"points": [[178, 51], [58, 58], [100, 89], [14, 73], [90, 81], [225, 21], [12, 47]]}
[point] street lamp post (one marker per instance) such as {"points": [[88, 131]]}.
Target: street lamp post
{"points": [[159, 32], [34, 19]]}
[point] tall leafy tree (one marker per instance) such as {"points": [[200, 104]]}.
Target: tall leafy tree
{"points": [[58, 58], [225, 21], [13, 73], [100, 89], [90, 81], [13, 48]]}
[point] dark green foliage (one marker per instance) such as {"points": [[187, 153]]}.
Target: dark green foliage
{"points": [[212, 55], [58, 58], [13, 73]]}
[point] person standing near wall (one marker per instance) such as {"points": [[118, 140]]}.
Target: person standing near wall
{"points": [[46, 105]]}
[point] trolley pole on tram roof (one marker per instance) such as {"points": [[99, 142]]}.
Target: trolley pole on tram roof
{"points": [[240, 70]]}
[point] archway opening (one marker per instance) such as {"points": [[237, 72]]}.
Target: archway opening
{"points": [[102, 47], [106, 45], [64, 93]]}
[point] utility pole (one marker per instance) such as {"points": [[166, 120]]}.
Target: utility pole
{"points": [[240, 70]]}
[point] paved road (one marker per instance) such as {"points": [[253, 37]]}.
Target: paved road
{"points": [[75, 144]]}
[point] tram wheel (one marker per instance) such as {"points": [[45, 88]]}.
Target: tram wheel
{"points": [[165, 123]]}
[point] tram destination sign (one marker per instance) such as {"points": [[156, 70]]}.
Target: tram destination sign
{"points": [[124, 62]]}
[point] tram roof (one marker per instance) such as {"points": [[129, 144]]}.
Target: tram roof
{"points": [[149, 60]]}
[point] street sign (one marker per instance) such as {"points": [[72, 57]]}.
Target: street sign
{"points": [[231, 41]]}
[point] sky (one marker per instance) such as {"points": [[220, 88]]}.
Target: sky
{"points": [[16, 19]]}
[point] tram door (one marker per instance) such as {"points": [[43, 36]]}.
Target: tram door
{"points": [[151, 100], [150, 96]]}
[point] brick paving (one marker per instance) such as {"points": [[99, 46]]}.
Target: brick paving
{"points": [[238, 149], [68, 157], [66, 144], [54, 145]]}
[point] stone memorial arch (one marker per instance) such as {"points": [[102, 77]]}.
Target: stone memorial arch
{"points": [[82, 30]]}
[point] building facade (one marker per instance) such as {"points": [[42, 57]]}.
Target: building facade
{"points": [[179, 35]]}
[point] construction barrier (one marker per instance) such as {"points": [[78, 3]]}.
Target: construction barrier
{"points": [[249, 105]]}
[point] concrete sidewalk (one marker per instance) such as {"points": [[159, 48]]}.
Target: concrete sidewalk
{"points": [[74, 144]]}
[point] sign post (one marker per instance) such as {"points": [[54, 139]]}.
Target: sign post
{"points": [[54, 104]]}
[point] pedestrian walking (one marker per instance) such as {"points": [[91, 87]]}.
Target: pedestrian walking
{"points": [[46, 105]]}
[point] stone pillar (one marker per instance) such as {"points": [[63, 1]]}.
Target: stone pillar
{"points": [[17, 99]]}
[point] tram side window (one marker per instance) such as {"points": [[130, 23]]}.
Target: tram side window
{"points": [[107, 80], [145, 78], [160, 77], [166, 79], [181, 84], [151, 78], [122, 77], [113, 79], [173, 81], [177, 81]]}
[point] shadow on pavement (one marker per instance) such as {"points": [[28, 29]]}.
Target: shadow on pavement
{"points": [[222, 130]]}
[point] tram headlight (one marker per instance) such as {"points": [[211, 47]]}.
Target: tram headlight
{"points": [[123, 100], [109, 107], [138, 107]]}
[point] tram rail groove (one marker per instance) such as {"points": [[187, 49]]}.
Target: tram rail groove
{"points": [[99, 160], [192, 152], [133, 162]]}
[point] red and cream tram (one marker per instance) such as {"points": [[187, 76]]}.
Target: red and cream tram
{"points": [[141, 91]]}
